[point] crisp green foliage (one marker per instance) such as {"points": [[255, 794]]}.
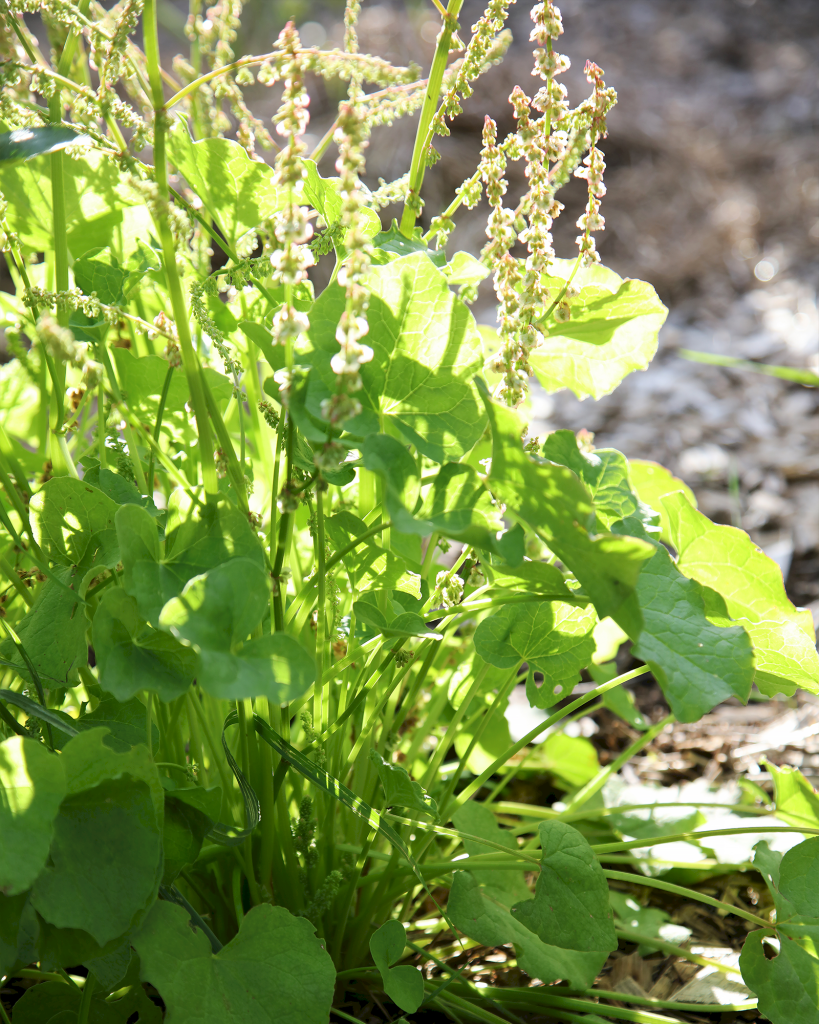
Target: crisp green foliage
{"points": [[404, 985], [788, 984], [613, 330], [281, 568], [275, 969]]}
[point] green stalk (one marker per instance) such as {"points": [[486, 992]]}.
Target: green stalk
{"points": [[190, 360], [85, 1002], [586, 698], [321, 616], [596, 784], [691, 894], [412, 206], [636, 844], [160, 413]]}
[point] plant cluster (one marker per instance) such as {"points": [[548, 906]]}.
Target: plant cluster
{"points": [[274, 562]]}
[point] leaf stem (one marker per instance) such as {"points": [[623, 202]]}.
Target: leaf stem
{"points": [[598, 691], [412, 204], [691, 894]]}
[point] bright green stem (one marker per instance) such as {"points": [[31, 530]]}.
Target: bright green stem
{"points": [[689, 894], [594, 785], [635, 844], [180, 312], [160, 413], [85, 1002], [412, 206], [533, 734], [321, 615]]}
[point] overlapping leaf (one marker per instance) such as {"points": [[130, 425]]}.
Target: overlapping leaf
{"points": [[612, 330], [32, 784], [216, 612], [132, 656], [553, 637], [275, 969], [726, 560], [787, 984], [426, 350]]}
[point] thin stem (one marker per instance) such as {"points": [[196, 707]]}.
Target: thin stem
{"points": [[412, 205], [598, 691], [691, 894], [180, 311], [597, 783]]}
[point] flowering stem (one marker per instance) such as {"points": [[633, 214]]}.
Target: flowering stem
{"points": [[436, 78], [180, 311]]}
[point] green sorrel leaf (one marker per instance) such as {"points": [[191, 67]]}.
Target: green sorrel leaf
{"points": [[613, 330], [197, 539], [55, 1002], [726, 560], [190, 813], [797, 802], [275, 969], [369, 566], [571, 905], [132, 656], [98, 271], [481, 901], [33, 786], [106, 854], [404, 985], [400, 790], [52, 631], [274, 666], [68, 517], [788, 984], [557, 505], [426, 350], [236, 191], [555, 639]]}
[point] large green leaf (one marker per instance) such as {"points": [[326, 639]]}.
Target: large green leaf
{"points": [[698, 664], [132, 656], [481, 903], [95, 193], [32, 787], [106, 855], [68, 517], [197, 539], [405, 984], [558, 506], [571, 905], [426, 350], [726, 560], [651, 482], [215, 613], [52, 632], [788, 984], [220, 608], [274, 971], [236, 191], [680, 629], [98, 272], [555, 639], [613, 330]]}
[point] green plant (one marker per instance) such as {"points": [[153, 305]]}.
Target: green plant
{"points": [[255, 744]]}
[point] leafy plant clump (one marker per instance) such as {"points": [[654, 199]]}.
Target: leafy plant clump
{"points": [[276, 561]]}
